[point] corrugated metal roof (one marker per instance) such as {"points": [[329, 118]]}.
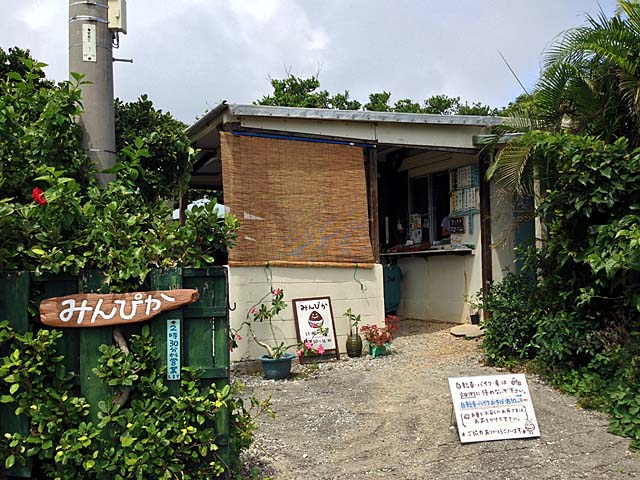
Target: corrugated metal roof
{"points": [[341, 115], [362, 116]]}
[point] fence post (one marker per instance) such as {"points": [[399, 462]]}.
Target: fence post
{"points": [[91, 387]]}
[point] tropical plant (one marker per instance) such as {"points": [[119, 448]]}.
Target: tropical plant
{"points": [[353, 319], [575, 310], [592, 76], [265, 312], [590, 85]]}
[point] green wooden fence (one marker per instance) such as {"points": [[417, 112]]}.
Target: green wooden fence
{"points": [[204, 334]]}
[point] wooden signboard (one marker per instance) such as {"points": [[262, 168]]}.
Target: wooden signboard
{"points": [[99, 310], [311, 314], [493, 407]]}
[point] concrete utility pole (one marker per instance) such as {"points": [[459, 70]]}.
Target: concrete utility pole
{"points": [[90, 53]]}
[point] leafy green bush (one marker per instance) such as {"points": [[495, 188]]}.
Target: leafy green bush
{"points": [[154, 435], [580, 319], [53, 216], [112, 229], [38, 127], [55, 219], [512, 325], [167, 166]]}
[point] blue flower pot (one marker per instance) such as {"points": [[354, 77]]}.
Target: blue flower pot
{"points": [[276, 368]]}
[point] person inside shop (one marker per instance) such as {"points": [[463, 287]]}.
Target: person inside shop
{"points": [[445, 227]]}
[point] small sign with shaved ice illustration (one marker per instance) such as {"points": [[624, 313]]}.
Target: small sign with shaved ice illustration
{"points": [[315, 326], [100, 310], [493, 407]]}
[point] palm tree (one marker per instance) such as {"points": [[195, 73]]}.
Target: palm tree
{"points": [[590, 84]]}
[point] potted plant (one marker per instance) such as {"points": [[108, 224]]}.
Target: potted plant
{"points": [[276, 362], [354, 340], [379, 338], [475, 305]]}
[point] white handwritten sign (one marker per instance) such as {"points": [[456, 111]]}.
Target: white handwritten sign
{"points": [[493, 407], [313, 314], [173, 349], [98, 310]]}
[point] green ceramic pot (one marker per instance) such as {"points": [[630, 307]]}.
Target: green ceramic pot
{"points": [[377, 350]]}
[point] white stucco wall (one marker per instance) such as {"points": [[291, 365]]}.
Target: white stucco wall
{"points": [[436, 288], [248, 284], [502, 233]]}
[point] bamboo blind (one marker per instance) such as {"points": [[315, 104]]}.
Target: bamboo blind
{"points": [[298, 203]]}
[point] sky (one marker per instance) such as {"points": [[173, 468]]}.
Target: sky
{"points": [[189, 55]]}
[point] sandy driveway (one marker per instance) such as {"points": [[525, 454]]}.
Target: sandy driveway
{"points": [[390, 417]]}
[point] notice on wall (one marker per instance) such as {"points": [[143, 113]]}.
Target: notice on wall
{"points": [[493, 407], [173, 349], [314, 323], [456, 224]]}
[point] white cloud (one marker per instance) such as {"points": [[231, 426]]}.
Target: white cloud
{"points": [[37, 15], [317, 40], [260, 11]]}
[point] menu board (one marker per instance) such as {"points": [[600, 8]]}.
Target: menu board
{"points": [[314, 323]]}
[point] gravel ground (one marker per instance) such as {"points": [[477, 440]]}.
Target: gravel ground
{"points": [[390, 417]]}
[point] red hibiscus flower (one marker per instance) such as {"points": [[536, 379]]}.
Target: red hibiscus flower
{"points": [[38, 196]]}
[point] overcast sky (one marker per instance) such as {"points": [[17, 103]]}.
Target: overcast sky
{"points": [[189, 55]]}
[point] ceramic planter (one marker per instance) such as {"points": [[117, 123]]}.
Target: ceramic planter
{"points": [[276, 368], [377, 350], [354, 345]]}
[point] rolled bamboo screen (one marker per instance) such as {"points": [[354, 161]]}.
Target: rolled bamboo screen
{"points": [[298, 203]]}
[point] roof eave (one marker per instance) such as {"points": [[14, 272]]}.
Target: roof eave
{"points": [[210, 118]]}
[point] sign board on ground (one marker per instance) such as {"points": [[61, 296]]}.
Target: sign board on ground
{"points": [[313, 314], [99, 310], [493, 407]]}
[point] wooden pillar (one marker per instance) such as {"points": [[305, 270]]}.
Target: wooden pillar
{"points": [[485, 223], [374, 228]]}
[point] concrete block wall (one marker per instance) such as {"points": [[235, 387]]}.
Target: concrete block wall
{"points": [[247, 285]]}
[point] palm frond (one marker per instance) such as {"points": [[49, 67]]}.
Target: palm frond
{"points": [[510, 164]]}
